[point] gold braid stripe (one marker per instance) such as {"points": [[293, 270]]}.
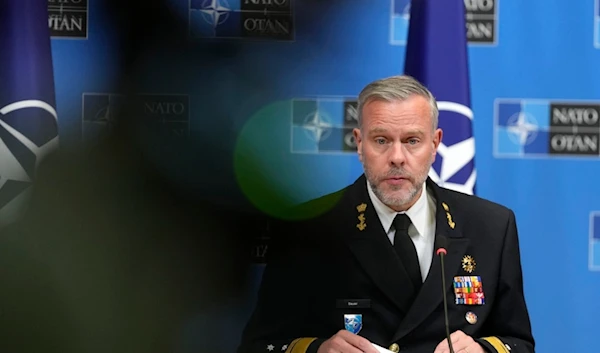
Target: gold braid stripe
{"points": [[497, 344], [300, 345], [291, 346]]}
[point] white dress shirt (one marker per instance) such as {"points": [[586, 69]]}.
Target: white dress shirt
{"points": [[421, 230]]}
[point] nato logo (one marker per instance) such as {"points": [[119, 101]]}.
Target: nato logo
{"points": [[454, 165], [481, 21], [68, 18], [323, 125], [249, 19], [353, 322], [595, 241], [541, 128], [99, 114], [28, 132], [167, 114]]}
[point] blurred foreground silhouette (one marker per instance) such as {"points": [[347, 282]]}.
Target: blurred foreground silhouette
{"points": [[136, 242], [113, 254], [110, 257]]}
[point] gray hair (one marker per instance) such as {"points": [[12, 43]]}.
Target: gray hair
{"points": [[396, 88]]}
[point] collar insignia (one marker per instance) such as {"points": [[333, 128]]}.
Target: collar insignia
{"points": [[448, 215], [361, 216]]}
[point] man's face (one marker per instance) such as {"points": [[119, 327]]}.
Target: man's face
{"points": [[397, 147]]}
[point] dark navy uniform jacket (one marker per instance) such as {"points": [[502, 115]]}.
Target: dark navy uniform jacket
{"points": [[340, 262]]}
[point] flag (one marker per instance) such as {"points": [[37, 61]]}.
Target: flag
{"points": [[28, 119], [437, 56]]}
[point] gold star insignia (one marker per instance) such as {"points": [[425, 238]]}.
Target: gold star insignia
{"points": [[468, 263], [362, 207], [445, 207]]}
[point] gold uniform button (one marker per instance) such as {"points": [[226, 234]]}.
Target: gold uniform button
{"points": [[395, 348]]}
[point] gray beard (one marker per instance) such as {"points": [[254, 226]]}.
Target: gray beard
{"points": [[396, 202]]}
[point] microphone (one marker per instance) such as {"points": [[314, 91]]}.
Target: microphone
{"points": [[441, 252]]}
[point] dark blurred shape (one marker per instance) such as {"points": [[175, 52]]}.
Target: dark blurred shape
{"points": [[114, 255], [111, 257], [121, 250]]}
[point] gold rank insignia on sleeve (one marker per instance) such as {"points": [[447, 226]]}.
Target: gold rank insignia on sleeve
{"points": [[300, 345], [498, 345], [468, 263], [361, 217], [448, 215]]}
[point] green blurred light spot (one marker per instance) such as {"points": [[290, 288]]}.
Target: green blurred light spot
{"points": [[271, 177]]}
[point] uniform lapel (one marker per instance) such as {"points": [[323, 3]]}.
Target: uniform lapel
{"points": [[372, 248], [430, 295]]}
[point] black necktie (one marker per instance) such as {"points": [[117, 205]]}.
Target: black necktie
{"points": [[406, 249]]}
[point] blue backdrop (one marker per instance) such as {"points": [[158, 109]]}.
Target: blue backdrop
{"points": [[535, 90]]}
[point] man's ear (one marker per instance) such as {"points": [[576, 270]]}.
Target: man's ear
{"points": [[358, 141], [437, 139]]}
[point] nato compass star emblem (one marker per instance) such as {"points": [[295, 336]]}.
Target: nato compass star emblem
{"points": [[28, 131], [317, 126], [215, 12], [454, 166], [353, 322], [522, 128], [105, 116]]}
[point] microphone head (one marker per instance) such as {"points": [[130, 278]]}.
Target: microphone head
{"points": [[441, 251]]}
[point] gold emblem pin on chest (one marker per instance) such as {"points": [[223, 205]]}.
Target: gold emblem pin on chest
{"points": [[468, 263]]}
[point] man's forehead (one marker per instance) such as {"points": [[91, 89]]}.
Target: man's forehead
{"points": [[377, 129]]}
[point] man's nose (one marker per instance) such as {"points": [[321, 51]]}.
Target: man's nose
{"points": [[398, 154]]}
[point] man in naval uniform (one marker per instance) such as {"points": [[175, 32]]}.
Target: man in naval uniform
{"points": [[359, 266]]}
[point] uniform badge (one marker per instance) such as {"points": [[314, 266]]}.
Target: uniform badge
{"points": [[395, 348], [471, 317], [353, 322], [469, 290], [468, 263], [448, 215], [361, 216], [361, 222]]}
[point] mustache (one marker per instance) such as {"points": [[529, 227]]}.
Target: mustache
{"points": [[397, 173]]}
